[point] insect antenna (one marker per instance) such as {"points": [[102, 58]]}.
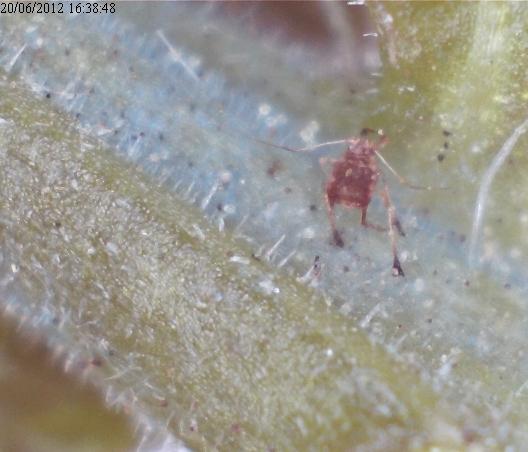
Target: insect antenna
{"points": [[305, 149], [363, 134], [402, 179], [290, 149]]}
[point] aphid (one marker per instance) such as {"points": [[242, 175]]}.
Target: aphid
{"points": [[353, 182]]}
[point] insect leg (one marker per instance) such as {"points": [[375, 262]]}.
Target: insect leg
{"points": [[393, 223], [338, 240], [366, 224]]}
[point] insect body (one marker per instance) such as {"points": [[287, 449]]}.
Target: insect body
{"points": [[353, 182]]}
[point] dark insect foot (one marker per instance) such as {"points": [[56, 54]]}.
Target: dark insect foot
{"points": [[399, 227], [397, 270], [316, 267], [338, 241]]}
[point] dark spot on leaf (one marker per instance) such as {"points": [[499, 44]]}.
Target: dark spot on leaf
{"points": [[96, 361], [274, 168]]}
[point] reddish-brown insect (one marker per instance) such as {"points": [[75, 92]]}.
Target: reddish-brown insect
{"points": [[353, 182]]}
